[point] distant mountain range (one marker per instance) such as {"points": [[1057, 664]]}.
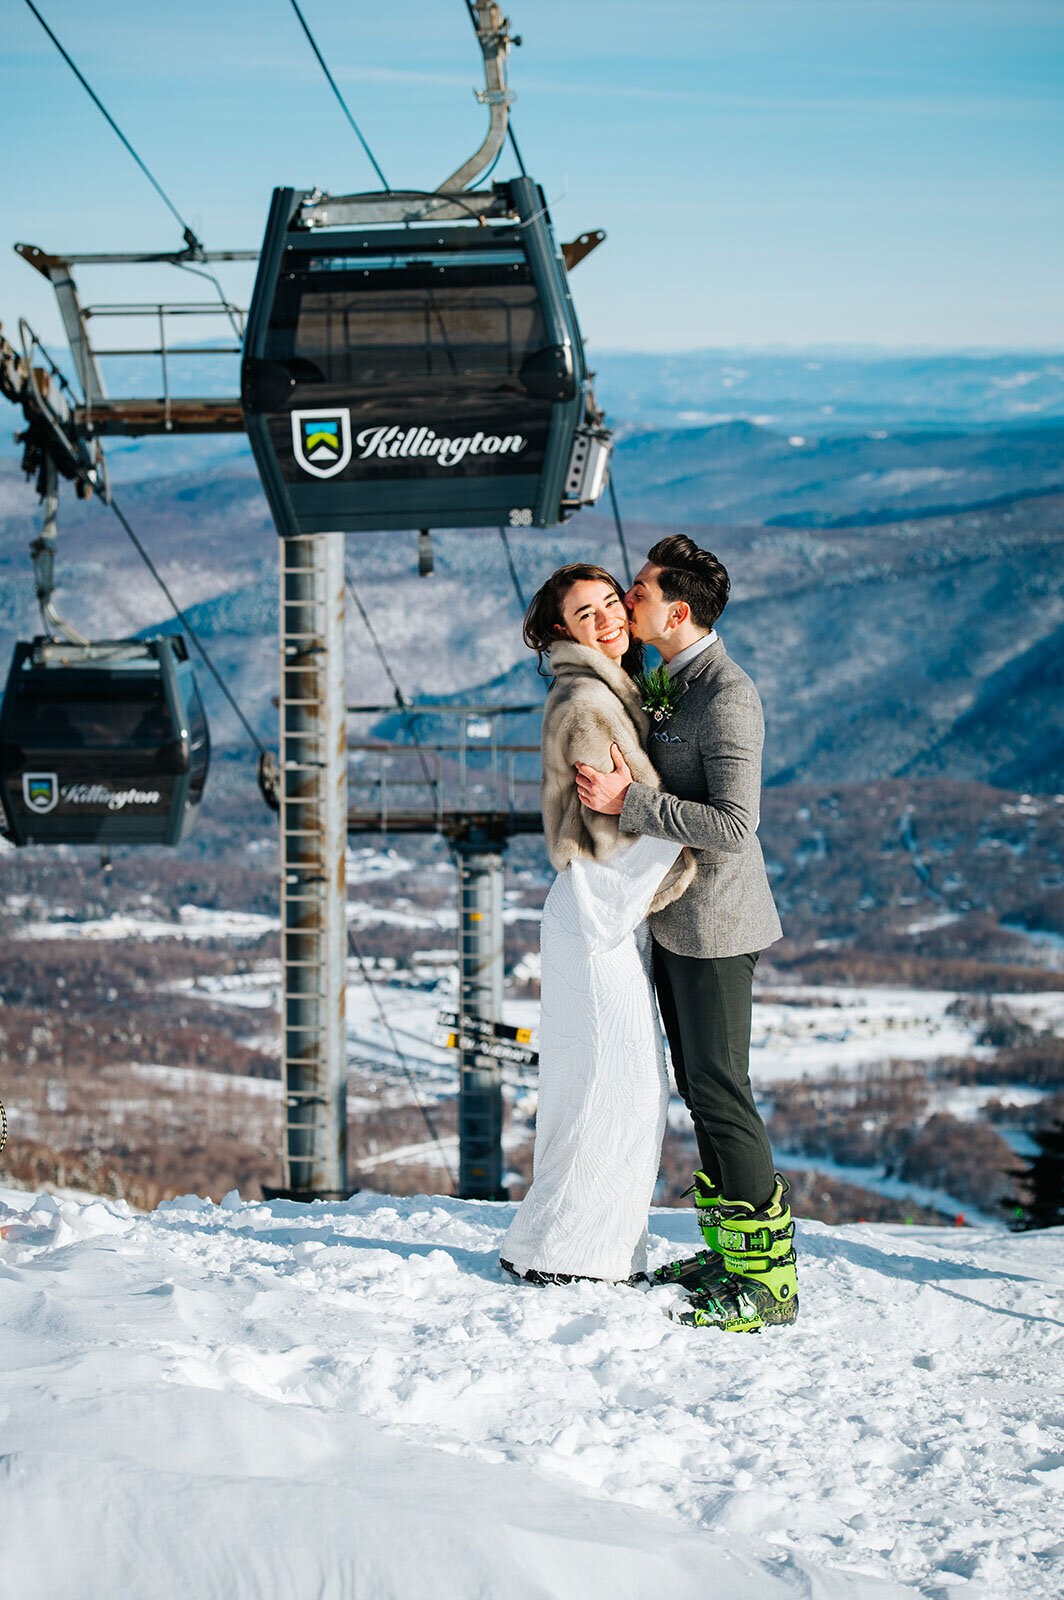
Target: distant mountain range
{"points": [[897, 590], [742, 472], [834, 390], [927, 648]]}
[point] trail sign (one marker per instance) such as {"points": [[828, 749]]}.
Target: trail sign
{"points": [[485, 1045], [484, 1028]]}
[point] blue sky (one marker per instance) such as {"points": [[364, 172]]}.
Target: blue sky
{"points": [[800, 172]]}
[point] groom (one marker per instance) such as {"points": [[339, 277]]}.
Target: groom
{"points": [[707, 751]]}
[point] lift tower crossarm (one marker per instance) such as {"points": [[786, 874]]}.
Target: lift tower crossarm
{"points": [[99, 414], [45, 263]]}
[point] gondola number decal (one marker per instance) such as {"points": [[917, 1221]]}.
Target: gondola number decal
{"points": [[521, 518]]}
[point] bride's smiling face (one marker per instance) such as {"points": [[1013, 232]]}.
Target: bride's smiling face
{"points": [[593, 614]]}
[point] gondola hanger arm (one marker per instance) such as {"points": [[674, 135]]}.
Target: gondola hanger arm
{"points": [[493, 32], [42, 550]]}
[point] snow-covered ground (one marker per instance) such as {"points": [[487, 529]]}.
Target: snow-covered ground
{"points": [[798, 1032], [1049, 945], [900, 1189], [193, 922], [348, 1402], [805, 1032], [827, 1029]]}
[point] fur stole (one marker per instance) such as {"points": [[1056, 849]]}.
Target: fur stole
{"points": [[592, 704]]}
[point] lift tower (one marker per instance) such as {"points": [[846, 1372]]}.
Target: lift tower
{"points": [[313, 804], [480, 978], [478, 796]]}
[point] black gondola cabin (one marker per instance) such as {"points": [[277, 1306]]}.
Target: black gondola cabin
{"points": [[105, 743], [419, 377]]}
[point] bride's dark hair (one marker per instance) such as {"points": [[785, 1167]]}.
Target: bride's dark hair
{"points": [[544, 616]]}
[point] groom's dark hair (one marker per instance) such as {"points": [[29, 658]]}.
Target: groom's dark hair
{"points": [[692, 575]]}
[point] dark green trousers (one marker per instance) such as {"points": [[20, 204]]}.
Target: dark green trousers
{"points": [[705, 1006]]}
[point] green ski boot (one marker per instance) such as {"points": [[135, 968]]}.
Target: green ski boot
{"points": [[732, 1307], [705, 1270], [756, 1249]]}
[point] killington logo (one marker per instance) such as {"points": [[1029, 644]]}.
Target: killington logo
{"points": [[101, 794], [321, 441], [412, 443], [40, 790]]}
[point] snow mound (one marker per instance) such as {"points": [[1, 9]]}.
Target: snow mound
{"points": [[257, 1401]]}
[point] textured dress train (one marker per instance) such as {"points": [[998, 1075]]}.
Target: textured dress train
{"points": [[603, 1088]]}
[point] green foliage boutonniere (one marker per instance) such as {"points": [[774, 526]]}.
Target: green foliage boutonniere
{"points": [[659, 694]]}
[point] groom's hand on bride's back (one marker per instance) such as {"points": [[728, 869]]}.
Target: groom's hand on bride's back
{"points": [[604, 791]]}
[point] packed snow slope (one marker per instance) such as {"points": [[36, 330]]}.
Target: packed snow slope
{"points": [[252, 1401]]}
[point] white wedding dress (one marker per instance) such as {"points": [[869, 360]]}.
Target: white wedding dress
{"points": [[603, 1089]]}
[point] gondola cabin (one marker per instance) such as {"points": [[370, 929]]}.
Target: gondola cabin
{"points": [[419, 377], [105, 743]]}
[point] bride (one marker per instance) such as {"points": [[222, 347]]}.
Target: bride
{"points": [[603, 1091]]}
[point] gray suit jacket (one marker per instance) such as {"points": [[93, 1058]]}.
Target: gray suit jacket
{"points": [[708, 756]]}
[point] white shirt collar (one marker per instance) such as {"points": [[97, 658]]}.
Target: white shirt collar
{"points": [[690, 652]]}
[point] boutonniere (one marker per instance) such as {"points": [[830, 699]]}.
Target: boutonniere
{"points": [[659, 694]]}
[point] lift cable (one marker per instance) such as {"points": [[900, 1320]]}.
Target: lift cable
{"points": [[513, 140], [352, 943], [190, 238], [343, 103], [620, 533], [402, 701], [194, 244], [522, 602], [189, 629]]}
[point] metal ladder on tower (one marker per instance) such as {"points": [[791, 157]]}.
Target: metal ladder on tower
{"points": [[313, 796]]}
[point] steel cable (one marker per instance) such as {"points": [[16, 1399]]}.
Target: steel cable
{"points": [[190, 630], [513, 571], [189, 236], [343, 103], [513, 140], [401, 700], [352, 943], [194, 244], [620, 533]]}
